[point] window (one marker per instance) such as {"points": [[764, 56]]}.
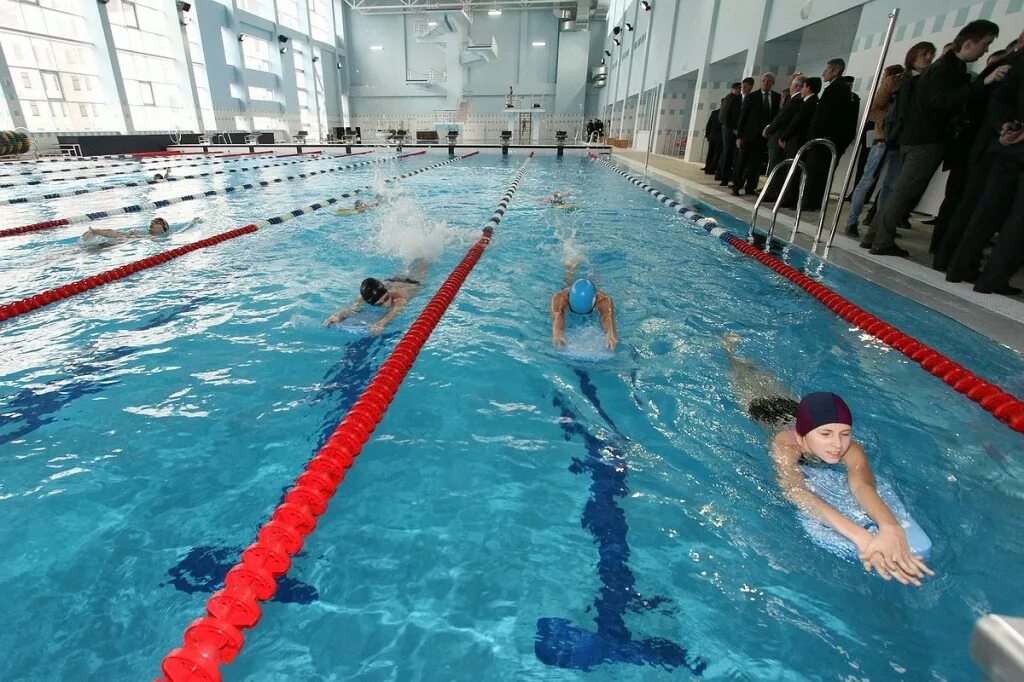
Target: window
{"points": [[83, 109], [261, 94], [52, 85], [146, 93], [321, 21], [33, 108], [289, 14], [256, 53], [129, 16], [26, 82], [262, 8], [76, 83]]}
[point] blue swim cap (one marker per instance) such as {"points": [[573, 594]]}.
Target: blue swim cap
{"points": [[582, 296]]}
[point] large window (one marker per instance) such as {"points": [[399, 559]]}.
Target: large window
{"points": [[195, 53], [318, 88], [321, 19], [292, 13], [158, 97], [256, 53], [53, 65], [262, 8], [302, 68]]}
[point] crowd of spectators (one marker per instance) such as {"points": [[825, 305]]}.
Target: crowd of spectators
{"points": [[928, 113]]}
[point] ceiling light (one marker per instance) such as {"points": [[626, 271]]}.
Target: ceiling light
{"points": [[618, 43], [241, 37], [646, 5], [616, 31], [538, 43], [607, 53], [494, 12], [431, 24], [630, 27], [376, 48]]}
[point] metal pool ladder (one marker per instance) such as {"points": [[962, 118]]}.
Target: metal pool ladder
{"points": [[793, 164]]}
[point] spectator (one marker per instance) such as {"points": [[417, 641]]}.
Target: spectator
{"points": [[758, 110], [1000, 207], [729, 116], [713, 134], [917, 60], [964, 150], [599, 126], [939, 95], [509, 99], [788, 110], [831, 121], [794, 136]]}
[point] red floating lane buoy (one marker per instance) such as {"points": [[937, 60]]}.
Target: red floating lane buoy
{"points": [[206, 633], [1008, 410], [297, 517], [276, 532], [1017, 423], [317, 481], [258, 578], [236, 605], [190, 665], [994, 400], [982, 390], [315, 499], [269, 555], [331, 468]]}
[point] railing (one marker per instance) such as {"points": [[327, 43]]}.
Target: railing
{"points": [[793, 165], [775, 208]]}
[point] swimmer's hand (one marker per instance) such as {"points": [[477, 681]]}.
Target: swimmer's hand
{"points": [[334, 319], [558, 340], [889, 555], [377, 328], [610, 342]]}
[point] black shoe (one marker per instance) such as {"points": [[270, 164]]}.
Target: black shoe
{"points": [[724, 183], [852, 231], [1005, 290], [865, 245], [890, 251], [735, 192], [930, 221]]}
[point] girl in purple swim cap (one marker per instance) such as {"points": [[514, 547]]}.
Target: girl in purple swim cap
{"points": [[823, 433]]}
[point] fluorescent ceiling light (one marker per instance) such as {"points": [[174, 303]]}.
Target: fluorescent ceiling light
{"points": [[376, 48], [494, 12], [431, 24], [538, 43]]}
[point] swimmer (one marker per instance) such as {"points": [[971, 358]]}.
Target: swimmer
{"points": [[165, 176], [581, 296], [158, 227], [819, 430], [393, 293], [557, 197]]}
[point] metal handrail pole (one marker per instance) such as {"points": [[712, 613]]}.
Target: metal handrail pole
{"points": [[830, 178], [799, 201], [760, 197], [863, 125]]}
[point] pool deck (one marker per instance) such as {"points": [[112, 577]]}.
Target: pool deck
{"points": [[1000, 318]]}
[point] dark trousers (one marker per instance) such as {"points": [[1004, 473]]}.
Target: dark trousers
{"points": [[977, 178], [728, 153], [1000, 208], [920, 161], [714, 154], [775, 153], [817, 160], [748, 166], [956, 184]]}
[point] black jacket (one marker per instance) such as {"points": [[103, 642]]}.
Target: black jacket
{"points": [[798, 130], [785, 117], [832, 116], [755, 117], [940, 96], [730, 112], [713, 128]]}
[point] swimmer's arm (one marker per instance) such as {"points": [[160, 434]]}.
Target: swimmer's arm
{"points": [[606, 309], [378, 326], [113, 234], [558, 319], [343, 313], [786, 456], [862, 484]]}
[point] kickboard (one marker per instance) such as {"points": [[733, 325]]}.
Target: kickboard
{"points": [[359, 322], [585, 343]]}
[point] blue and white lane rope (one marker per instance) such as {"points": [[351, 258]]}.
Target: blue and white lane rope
{"points": [[141, 183], [158, 162], [216, 162], [161, 203], [76, 159]]}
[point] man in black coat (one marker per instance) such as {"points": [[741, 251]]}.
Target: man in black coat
{"points": [[779, 124], [831, 121], [713, 134], [729, 116], [757, 112]]}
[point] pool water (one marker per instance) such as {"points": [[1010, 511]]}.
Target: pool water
{"points": [[515, 515]]}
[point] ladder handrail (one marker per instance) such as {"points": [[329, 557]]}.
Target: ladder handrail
{"points": [[793, 164]]}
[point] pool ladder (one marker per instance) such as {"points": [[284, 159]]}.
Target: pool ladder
{"points": [[793, 164]]}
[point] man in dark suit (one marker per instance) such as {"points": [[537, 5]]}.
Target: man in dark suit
{"points": [[832, 120], [729, 116], [713, 134], [779, 124], [758, 110]]}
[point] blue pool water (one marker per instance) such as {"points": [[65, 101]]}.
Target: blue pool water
{"points": [[515, 515]]}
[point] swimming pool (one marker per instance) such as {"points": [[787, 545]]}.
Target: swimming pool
{"points": [[510, 503]]}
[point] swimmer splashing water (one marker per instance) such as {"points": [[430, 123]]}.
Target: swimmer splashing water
{"points": [[392, 293], [581, 297]]}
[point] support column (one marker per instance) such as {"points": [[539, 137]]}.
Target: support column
{"points": [[115, 67], [755, 56], [703, 74], [11, 94], [629, 71]]}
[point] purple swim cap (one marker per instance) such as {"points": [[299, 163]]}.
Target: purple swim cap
{"points": [[818, 409]]}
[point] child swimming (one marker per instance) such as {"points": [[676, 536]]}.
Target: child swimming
{"points": [[582, 297], [393, 293], [819, 430], [157, 228]]}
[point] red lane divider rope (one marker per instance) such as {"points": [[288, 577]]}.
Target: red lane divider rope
{"points": [[217, 637], [232, 156], [1006, 407], [36, 301]]}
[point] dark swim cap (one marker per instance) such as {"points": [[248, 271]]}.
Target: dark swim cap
{"points": [[372, 290], [775, 410], [818, 409]]}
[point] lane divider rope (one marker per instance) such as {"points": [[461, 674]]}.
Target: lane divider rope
{"points": [[140, 183], [215, 162], [161, 203], [103, 166], [36, 301], [107, 157], [1004, 406], [217, 638]]}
